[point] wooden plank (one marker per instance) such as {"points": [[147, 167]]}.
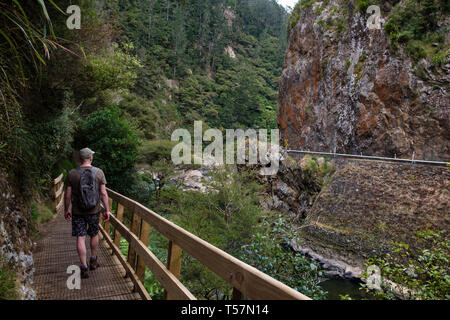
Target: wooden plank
{"points": [[135, 220], [130, 272], [144, 237], [59, 179], [161, 273], [60, 206], [173, 264], [119, 216], [59, 191], [250, 281]]}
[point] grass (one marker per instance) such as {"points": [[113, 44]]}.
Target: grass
{"points": [[40, 214], [347, 64], [8, 290]]}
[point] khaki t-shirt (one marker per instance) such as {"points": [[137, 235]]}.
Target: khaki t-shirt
{"points": [[73, 180]]}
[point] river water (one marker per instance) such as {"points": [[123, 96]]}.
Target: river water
{"points": [[340, 286]]}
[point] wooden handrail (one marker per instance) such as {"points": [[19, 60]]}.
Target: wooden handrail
{"points": [[244, 278], [164, 276], [58, 194], [59, 179]]}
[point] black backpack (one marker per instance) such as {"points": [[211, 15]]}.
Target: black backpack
{"points": [[89, 193]]}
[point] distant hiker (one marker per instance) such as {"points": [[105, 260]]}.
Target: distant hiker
{"points": [[86, 187]]}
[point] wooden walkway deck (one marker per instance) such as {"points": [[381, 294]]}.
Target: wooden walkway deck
{"points": [[56, 251]]}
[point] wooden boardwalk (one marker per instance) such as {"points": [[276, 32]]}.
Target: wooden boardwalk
{"points": [[56, 251]]}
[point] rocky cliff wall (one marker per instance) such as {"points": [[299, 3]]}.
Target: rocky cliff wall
{"points": [[345, 88], [368, 205], [15, 236]]}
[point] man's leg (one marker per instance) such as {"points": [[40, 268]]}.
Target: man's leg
{"points": [[81, 247], [94, 246], [93, 229]]}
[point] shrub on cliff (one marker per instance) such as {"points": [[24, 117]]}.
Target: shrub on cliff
{"points": [[269, 252], [7, 282], [424, 276]]}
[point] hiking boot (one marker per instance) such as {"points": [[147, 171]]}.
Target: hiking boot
{"points": [[84, 272], [93, 263]]}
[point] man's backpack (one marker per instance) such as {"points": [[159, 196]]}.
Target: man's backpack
{"points": [[89, 193]]}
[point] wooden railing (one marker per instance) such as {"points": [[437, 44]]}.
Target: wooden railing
{"points": [[58, 194], [245, 279]]}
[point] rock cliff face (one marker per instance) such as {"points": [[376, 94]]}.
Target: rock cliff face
{"points": [[368, 205], [15, 239], [346, 89]]}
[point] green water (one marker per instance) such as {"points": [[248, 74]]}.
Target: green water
{"points": [[339, 286]]}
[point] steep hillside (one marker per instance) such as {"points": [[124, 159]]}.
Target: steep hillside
{"points": [[217, 60], [349, 89]]}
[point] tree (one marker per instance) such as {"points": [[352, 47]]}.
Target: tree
{"points": [[115, 145]]}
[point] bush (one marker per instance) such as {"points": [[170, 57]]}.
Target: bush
{"points": [[151, 151], [269, 252], [115, 144], [40, 214], [7, 282], [422, 274], [415, 51]]}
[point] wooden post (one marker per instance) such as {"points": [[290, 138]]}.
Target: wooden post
{"points": [[57, 193], [135, 229], [107, 224], [173, 263], [237, 295], [145, 235], [55, 203], [119, 216]]}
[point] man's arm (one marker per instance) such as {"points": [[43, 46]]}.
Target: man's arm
{"points": [[104, 196], [67, 200]]}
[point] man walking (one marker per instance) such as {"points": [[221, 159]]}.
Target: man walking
{"points": [[86, 187]]}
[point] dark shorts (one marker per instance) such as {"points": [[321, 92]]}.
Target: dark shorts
{"points": [[85, 225]]}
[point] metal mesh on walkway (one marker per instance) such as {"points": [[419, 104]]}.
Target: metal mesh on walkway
{"points": [[56, 251]]}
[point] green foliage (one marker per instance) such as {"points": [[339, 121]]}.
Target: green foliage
{"points": [[269, 252], [225, 218], [115, 69], [347, 64], [319, 170], [177, 42], [115, 144], [151, 151], [416, 51], [8, 289], [422, 274], [40, 214], [26, 40], [362, 5], [414, 24]]}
